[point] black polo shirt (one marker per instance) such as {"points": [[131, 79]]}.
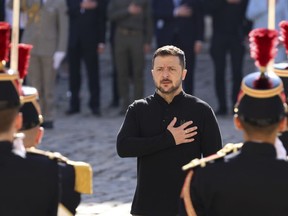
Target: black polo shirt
{"points": [[144, 135]]}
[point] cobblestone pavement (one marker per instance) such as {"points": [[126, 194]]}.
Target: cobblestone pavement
{"points": [[92, 139]]}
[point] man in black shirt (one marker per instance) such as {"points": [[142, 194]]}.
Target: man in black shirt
{"points": [[165, 131]]}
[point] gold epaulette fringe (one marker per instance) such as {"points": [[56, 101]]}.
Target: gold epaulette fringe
{"points": [[51, 155], [227, 149], [84, 177], [83, 171]]}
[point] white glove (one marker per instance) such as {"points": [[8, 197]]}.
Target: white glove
{"points": [[280, 150], [18, 145], [58, 58]]}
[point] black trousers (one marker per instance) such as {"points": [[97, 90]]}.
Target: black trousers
{"points": [[221, 46], [190, 66], [115, 94], [91, 60]]}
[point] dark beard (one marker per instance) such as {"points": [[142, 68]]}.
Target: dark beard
{"points": [[173, 89]]}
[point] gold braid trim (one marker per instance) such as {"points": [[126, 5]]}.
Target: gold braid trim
{"points": [[7, 77], [33, 98], [227, 149], [2, 65], [32, 11], [185, 192], [83, 171], [185, 195], [281, 69], [281, 73], [51, 155], [84, 177], [30, 98], [262, 93]]}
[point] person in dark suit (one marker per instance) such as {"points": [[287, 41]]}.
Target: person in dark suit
{"points": [[115, 93], [180, 23], [70, 193], [86, 40], [228, 37], [2, 10], [28, 186], [252, 181]]}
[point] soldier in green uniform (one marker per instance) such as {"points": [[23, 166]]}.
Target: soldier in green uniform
{"points": [[133, 36]]}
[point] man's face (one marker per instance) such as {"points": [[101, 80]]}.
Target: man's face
{"points": [[168, 74]]}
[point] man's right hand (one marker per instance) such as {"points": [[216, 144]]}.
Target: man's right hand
{"points": [[182, 134], [88, 4], [183, 11], [134, 9]]}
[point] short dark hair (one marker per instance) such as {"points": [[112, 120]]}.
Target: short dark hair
{"points": [[7, 117], [170, 50], [261, 112], [251, 128]]}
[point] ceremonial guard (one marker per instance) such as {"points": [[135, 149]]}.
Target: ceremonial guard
{"points": [[281, 69], [28, 186], [249, 181], [74, 177]]}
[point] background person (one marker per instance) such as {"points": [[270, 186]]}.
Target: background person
{"points": [[47, 31], [132, 40], [87, 28], [180, 23], [228, 37]]}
